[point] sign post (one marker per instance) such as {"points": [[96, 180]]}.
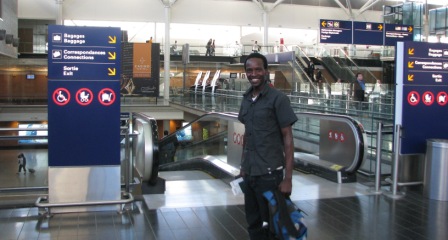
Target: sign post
{"points": [[84, 115]]}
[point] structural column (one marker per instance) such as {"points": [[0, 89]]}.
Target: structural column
{"points": [[166, 53], [59, 18]]}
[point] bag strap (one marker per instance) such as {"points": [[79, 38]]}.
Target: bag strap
{"points": [[284, 218]]}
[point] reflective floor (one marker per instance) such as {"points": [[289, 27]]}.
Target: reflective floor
{"points": [[195, 206]]}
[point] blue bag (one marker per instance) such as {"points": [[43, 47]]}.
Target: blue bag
{"points": [[285, 219]]}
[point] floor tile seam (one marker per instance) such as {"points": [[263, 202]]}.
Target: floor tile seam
{"points": [[338, 208], [410, 238], [343, 223], [408, 221], [208, 212], [151, 227]]}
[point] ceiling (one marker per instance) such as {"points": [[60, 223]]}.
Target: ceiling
{"points": [[354, 4]]}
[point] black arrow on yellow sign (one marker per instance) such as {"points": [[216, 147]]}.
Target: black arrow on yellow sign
{"points": [[411, 51], [112, 71], [112, 39], [410, 64], [112, 55], [324, 23], [380, 27], [410, 77]]}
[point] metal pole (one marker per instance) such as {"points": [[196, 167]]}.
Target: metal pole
{"points": [[394, 182], [127, 162], [379, 136]]}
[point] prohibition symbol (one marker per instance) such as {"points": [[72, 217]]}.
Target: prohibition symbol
{"points": [[106, 96], [84, 96], [441, 98], [428, 98], [413, 98], [61, 96]]}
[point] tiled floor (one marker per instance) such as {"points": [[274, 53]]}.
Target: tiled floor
{"points": [[204, 208]]}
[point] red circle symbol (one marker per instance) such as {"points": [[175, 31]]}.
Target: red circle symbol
{"points": [[330, 134], [413, 98], [106, 96], [428, 98], [84, 96], [61, 96], [442, 98], [342, 137]]}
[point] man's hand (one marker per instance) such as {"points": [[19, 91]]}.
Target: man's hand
{"points": [[241, 173], [285, 187]]}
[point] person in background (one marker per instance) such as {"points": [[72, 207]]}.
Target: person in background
{"points": [[237, 49], [212, 48], [359, 88], [174, 48], [22, 163], [268, 148], [256, 48], [208, 47], [319, 76]]}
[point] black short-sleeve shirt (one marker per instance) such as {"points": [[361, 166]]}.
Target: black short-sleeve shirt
{"points": [[263, 120]]}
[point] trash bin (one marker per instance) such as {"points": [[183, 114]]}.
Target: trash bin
{"points": [[435, 185]]}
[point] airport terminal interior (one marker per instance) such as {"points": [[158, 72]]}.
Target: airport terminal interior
{"points": [[142, 140]]}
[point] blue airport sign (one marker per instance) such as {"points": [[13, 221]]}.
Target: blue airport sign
{"points": [[335, 31], [421, 93], [84, 130], [84, 53], [365, 33], [84, 96], [368, 33], [425, 64], [424, 116], [394, 33]]}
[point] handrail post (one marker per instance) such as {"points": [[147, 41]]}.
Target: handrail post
{"points": [[397, 145], [379, 136], [394, 185]]}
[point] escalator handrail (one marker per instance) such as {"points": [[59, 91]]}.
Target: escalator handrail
{"points": [[355, 126]]}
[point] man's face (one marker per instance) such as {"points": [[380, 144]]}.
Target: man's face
{"points": [[360, 77], [255, 72]]}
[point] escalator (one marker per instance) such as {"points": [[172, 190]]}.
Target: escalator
{"points": [[213, 144]]}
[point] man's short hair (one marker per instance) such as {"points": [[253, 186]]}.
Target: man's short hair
{"points": [[357, 74], [257, 55]]}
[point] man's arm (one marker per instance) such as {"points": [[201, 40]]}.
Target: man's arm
{"points": [[242, 157], [286, 184]]}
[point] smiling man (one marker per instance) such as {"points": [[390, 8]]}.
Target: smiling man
{"points": [[268, 148]]}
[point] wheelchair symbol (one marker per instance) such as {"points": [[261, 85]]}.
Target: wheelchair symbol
{"points": [[61, 96]]}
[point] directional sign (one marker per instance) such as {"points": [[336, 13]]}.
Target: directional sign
{"points": [[335, 31], [397, 33], [368, 33], [421, 93], [425, 64], [84, 84], [83, 53]]}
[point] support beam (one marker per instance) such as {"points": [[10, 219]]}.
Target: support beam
{"points": [[368, 5], [59, 16], [166, 49], [343, 8]]}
